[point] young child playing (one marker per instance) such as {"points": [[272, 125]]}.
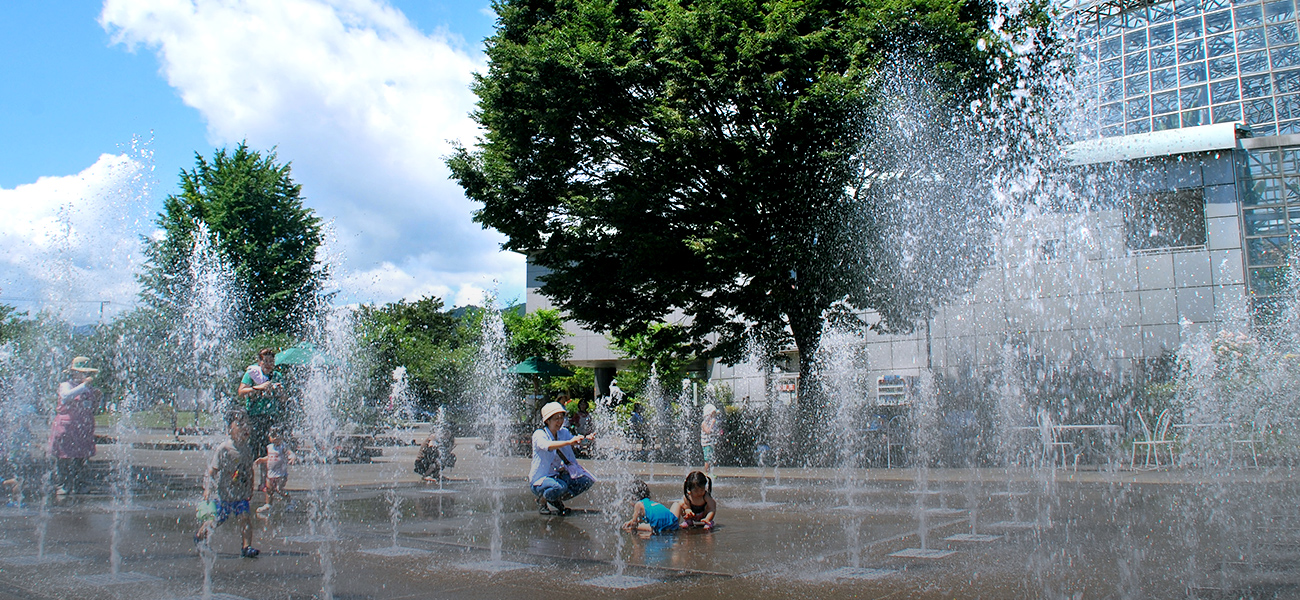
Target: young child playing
{"points": [[648, 516], [274, 468], [230, 477], [697, 506]]}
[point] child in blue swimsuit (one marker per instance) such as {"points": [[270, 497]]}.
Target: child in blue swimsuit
{"points": [[648, 516]]}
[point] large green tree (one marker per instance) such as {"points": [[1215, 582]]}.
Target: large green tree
{"points": [[253, 212], [434, 346], [719, 158]]}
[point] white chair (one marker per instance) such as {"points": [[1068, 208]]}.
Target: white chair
{"points": [[895, 437], [1051, 440], [1153, 441], [1251, 441]]}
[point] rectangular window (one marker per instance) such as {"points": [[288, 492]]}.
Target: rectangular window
{"points": [[1263, 130], [1135, 40], [1189, 29], [1250, 39], [1288, 107], [1187, 8], [1267, 281], [1110, 48], [1267, 190], [1111, 26], [1263, 163], [1256, 86], [1281, 35], [1163, 57], [1219, 45], [1285, 82], [1194, 97], [1280, 11], [1165, 122], [1135, 17], [1284, 57], [1111, 114], [1136, 85], [1135, 63], [1113, 69], [1254, 62], [1165, 103], [1165, 220], [1265, 221], [1190, 74], [1258, 111], [1112, 131], [1139, 108], [1267, 251], [1161, 12], [1142, 126], [1288, 128], [1111, 91], [1213, 5], [1164, 79], [1223, 67], [1161, 35], [1224, 91], [1291, 162], [1227, 113], [1218, 22], [1191, 51], [1248, 16], [1196, 118]]}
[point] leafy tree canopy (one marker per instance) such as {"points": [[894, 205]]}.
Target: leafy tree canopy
{"points": [[435, 346], [709, 157], [538, 333], [253, 212]]}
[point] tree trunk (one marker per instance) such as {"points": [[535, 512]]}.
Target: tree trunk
{"points": [[810, 430]]}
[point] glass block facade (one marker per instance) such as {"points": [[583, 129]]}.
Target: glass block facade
{"points": [[1270, 210], [1182, 63]]}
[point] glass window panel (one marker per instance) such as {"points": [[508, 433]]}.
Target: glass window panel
{"points": [[1135, 40], [1267, 251], [1263, 163], [1193, 73], [1110, 48], [1164, 103], [1227, 113], [1223, 67], [1111, 114], [1289, 128], [1135, 63], [1263, 130], [1288, 107], [1161, 12], [1281, 35], [1195, 97], [1161, 35], [1187, 8], [1265, 221], [1088, 31], [1111, 26], [1248, 16], [1165, 79], [1111, 91], [1163, 57], [1265, 190], [1138, 108], [1189, 29], [1215, 46], [1113, 69], [1142, 126], [1291, 187], [1112, 131], [1257, 86], [1087, 54], [1191, 51], [1135, 17], [1285, 82], [1258, 111], [1165, 122], [1252, 62], [1218, 22], [1224, 91], [1279, 11], [1250, 39], [1267, 281], [1136, 85], [1196, 118], [1284, 57], [1213, 5]]}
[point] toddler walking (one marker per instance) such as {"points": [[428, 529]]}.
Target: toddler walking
{"points": [[275, 470]]}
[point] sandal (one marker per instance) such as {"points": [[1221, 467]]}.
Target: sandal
{"points": [[249, 552], [542, 508]]}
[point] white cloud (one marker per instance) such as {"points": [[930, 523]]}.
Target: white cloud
{"points": [[363, 105], [69, 243]]}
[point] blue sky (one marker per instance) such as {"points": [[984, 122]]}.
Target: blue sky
{"points": [[360, 95]]}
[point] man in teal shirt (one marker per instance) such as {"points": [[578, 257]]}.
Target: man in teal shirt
{"points": [[262, 389]]}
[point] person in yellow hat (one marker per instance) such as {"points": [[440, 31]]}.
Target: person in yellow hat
{"points": [[556, 475], [72, 434]]}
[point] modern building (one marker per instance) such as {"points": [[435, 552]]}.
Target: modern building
{"points": [[1189, 167]]}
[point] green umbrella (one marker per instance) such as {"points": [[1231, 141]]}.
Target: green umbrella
{"points": [[302, 354], [535, 365]]}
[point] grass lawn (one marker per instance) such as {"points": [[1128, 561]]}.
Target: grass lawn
{"points": [[155, 419]]}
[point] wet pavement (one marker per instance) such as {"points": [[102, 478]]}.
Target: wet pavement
{"points": [[897, 533]]}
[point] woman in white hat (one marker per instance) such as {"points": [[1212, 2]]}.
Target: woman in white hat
{"points": [[72, 434], [556, 475]]}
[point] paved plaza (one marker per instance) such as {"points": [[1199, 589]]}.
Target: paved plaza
{"points": [[897, 533]]}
